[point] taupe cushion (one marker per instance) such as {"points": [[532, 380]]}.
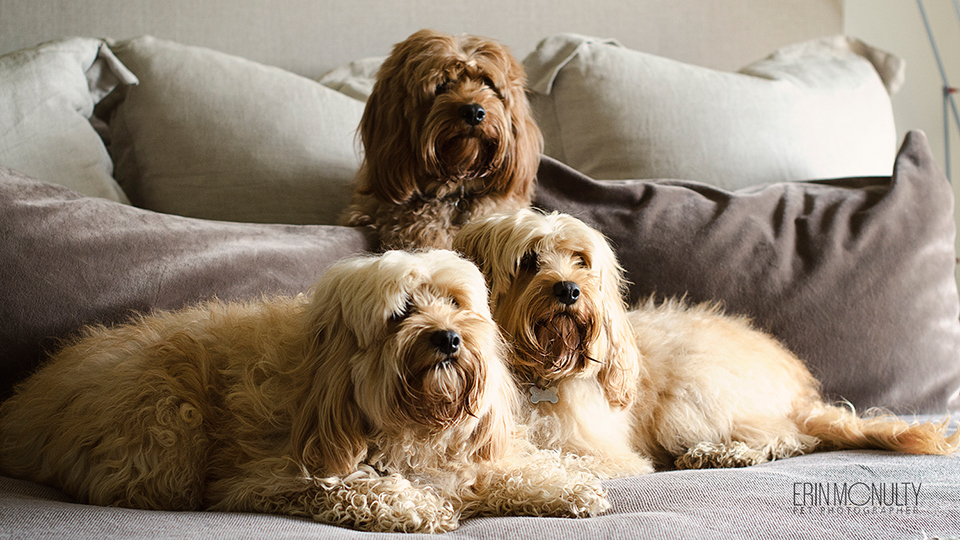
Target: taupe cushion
{"points": [[817, 109], [763, 501], [210, 135], [69, 260], [48, 97], [856, 276], [354, 79]]}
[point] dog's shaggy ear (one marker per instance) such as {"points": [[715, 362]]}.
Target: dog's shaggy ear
{"points": [[518, 174], [347, 313], [327, 431], [472, 239], [496, 432], [495, 242], [390, 154], [621, 366]]}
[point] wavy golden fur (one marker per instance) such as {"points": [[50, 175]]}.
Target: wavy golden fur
{"points": [[447, 135], [584, 350], [381, 401], [686, 386]]}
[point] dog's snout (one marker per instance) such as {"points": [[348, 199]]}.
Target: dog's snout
{"points": [[446, 341], [567, 292], [472, 114]]}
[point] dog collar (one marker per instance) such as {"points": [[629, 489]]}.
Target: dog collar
{"points": [[538, 394], [457, 195]]}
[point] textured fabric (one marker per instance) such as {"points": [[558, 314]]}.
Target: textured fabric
{"points": [[48, 96], [68, 260], [856, 276], [354, 79], [808, 111], [214, 136], [764, 501]]}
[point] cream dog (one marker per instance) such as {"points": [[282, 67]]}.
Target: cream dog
{"points": [[381, 402], [689, 387]]}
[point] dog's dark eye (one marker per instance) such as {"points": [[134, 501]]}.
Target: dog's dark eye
{"points": [[454, 303], [580, 260], [442, 87], [407, 310], [530, 262], [489, 84]]}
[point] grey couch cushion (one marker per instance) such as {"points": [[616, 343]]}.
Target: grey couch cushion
{"points": [[764, 501], [855, 275], [209, 135], [69, 260]]}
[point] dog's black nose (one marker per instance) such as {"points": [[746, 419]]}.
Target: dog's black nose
{"points": [[472, 114], [446, 341], [566, 292]]}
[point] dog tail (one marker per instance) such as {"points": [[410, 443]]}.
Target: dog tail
{"points": [[840, 428]]}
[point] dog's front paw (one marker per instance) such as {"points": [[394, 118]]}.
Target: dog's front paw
{"points": [[707, 455], [389, 503], [540, 484], [584, 498], [615, 466]]}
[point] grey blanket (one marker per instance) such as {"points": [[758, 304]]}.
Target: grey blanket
{"points": [[862, 494]]}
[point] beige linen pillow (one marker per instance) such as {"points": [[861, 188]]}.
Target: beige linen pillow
{"points": [[819, 109], [214, 136], [354, 79], [49, 93]]}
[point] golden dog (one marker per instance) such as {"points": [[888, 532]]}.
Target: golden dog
{"points": [[381, 401], [686, 386]]}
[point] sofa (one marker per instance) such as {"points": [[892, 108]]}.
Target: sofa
{"points": [[144, 174]]}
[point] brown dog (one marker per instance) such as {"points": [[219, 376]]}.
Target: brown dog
{"points": [[448, 135]]}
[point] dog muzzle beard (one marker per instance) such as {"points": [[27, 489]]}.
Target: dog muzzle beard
{"points": [[553, 348], [442, 393], [459, 152]]}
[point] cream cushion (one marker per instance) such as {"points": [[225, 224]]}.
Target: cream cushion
{"points": [[49, 94], [354, 79], [210, 135], [817, 109]]}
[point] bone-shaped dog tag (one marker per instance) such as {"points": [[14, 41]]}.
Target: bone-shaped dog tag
{"points": [[538, 394]]}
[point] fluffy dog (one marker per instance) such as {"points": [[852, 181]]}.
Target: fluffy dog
{"points": [[381, 402], [687, 386], [448, 135]]}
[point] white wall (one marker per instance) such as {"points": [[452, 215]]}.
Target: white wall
{"points": [[896, 26], [311, 36]]}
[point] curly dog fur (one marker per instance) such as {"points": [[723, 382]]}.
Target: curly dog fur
{"points": [[448, 135], [381, 401], [687, 386]]}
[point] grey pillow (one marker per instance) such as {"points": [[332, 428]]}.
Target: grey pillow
{"points": [[49, 93], [817, 109], [69, 260], [855, 275], [210, 135]]}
